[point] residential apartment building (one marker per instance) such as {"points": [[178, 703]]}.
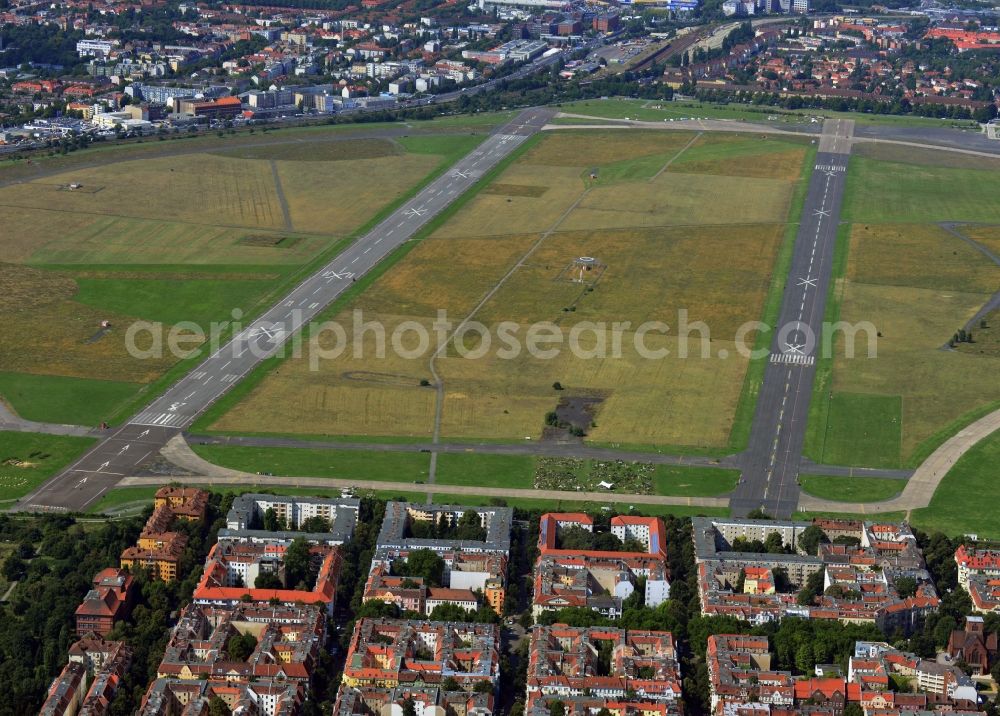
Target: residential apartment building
{"points": [[109, 601], [637, 671], [386, 653], [599, 579], [159, 549], [399, 516], [426, 700], [464, 574], [245, 519], [179, 697], [89, 680], [976, 562], [231, 572], [288, 643], [859, 578]]}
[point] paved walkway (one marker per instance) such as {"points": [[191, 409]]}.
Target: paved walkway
{"points": [[920, 488], [178, 452]]}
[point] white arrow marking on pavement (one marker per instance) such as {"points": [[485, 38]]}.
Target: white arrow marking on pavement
{"points": [[144, 433], [124, 449], [103, 465], [80, 483]]}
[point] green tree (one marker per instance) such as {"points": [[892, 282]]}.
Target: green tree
{"points": [[316, 523], [217, 707], [811, 538], [270, 520], [241, 646], [425, 563], [267, 580], [774, 544], [906, 586], [557, 708], [470, 527], [14, 568], [297, 564]]}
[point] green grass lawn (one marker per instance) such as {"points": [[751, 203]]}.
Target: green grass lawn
{"points": [[516, 471], [307, 462], [28, 459], [580, 506], [171, 301], [887, 192], [851, 489], [58, 399], [451, 147], [646, 110], [884, 516], [965, 500], [693, 481], [860, 429], [122, 496]]}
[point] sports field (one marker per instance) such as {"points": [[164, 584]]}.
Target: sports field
{"points": [[671, 222], [913, 284], [147, 234]]}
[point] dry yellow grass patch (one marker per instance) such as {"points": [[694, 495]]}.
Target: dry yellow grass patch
{"points": [[719, 275], [670, 401], [919, 255], [206, 189], [589, 148], [742, 156], [123, 240], [337, 197], [46, 330], [988, 236], [444, 274], [688, 199], [498, 214], [26, 230], [937, 386], [347, 395]]}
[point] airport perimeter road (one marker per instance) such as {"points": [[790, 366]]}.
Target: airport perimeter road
{"points": [[770, 477], [132, 444]]}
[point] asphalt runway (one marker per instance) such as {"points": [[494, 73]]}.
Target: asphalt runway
{"points": [[769, 480], [126, 449]]}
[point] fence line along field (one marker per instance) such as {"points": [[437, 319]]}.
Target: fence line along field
{"points": [[170, 238], [661, 239]]}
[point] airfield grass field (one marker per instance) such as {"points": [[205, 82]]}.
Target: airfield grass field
{"points": [[306, 462], [658, 111], [851, 489], [909, 285], [665, 239], [28, 459], [151, 235], [961, 503]]}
